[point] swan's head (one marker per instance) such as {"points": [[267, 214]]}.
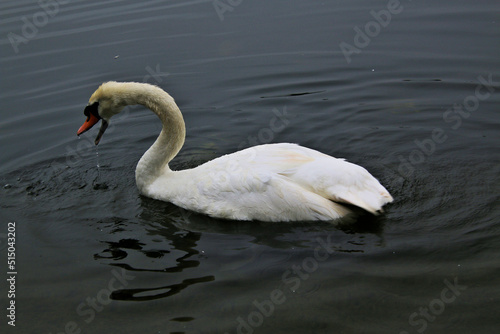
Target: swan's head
{"points": [[107, 101]]}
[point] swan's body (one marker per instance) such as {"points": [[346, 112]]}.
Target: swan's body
{"points": [[275, 182]]}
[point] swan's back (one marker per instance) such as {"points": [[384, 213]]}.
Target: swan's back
{"points": [[274, 182]]}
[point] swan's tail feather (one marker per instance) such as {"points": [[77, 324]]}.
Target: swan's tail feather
{"points": [[371, 198]]}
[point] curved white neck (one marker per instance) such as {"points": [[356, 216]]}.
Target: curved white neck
{"points": [[155, 161]]}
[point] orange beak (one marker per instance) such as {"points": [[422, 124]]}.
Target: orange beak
{"points": [[89, 123], [92, 113]]}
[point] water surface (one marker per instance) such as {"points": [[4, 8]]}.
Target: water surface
{"points": [[416, 105]]}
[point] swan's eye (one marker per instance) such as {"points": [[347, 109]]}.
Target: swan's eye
{"points": [[92, 109]]}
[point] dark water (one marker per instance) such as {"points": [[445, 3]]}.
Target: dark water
{"points": [[413, 98]]}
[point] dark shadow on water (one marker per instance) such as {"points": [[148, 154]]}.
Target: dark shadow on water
{"points": [[159, 292]]}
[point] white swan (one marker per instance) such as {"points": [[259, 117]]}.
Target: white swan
{"points": [[274, 182]]}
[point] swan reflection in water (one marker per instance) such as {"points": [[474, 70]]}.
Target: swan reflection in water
{"points": [[180, 241]]}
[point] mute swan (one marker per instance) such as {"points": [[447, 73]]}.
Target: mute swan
{"points": [[273, 182]]}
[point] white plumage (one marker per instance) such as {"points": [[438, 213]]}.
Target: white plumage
{"points": [[274, 182]]}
